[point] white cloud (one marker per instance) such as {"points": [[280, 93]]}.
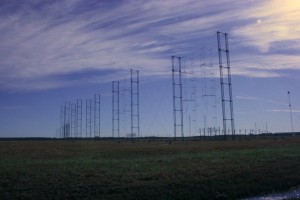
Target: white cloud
{"points": [[272, 21], [263, 66], [66, 37], [260, 99]]}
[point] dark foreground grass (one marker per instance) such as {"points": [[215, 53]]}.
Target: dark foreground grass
{"points": [[147, 170]]}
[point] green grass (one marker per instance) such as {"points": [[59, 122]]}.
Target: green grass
{"points": [[147, 170]]}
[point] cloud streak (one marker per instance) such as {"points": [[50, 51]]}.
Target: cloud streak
{"points": [[271, 22], [275, 110], [260, 99], [41, 41]]}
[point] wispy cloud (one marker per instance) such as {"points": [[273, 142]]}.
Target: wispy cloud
{"points": [[271, 22], [260, 99], [40, 41], [275, 110], [265, 66]]}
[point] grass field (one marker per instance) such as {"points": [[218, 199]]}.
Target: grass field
{"points": [[148, 170]]}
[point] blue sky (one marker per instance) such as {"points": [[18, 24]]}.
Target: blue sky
{"points": [[57, 51]]}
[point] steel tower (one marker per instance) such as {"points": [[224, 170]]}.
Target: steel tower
{"points": [[226, 85], [177, 96]]}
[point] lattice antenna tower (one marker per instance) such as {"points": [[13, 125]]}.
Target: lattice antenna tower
{"points": [[97, 114], [115, 108], [62, 121], [226, 85], [67, 117], [177, 96], [135, 103], [88, 118], [73, 120], [79, 117]]}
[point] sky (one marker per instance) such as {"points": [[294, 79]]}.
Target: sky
{"points": [[52, 52]]}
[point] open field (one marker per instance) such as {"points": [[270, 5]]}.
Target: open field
{"points": [[148, 170]]}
